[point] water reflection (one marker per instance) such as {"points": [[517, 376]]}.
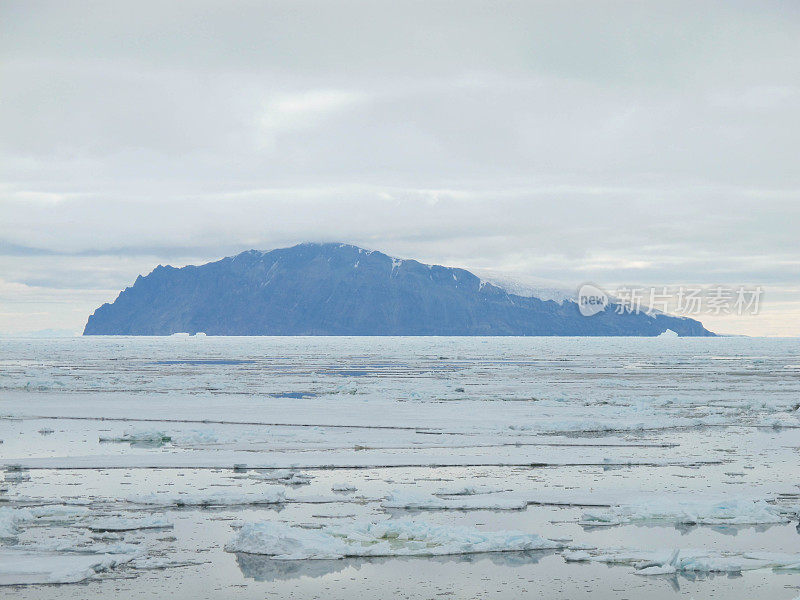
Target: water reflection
{"points": [[689, 528]]}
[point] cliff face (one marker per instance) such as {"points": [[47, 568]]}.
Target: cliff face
{"points": [[337, 289]]}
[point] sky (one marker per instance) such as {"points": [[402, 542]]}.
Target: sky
{"points": [[621, 143]]}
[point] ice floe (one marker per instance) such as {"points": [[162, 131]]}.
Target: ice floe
{"points": [[665, 562], [343, 487], [11, 518], [386, 538], [715, 416], [125, 524], [422, 501], [732, 511], [142, 436], [270, 495], [83, 544], [285, 476], [24, 568], [470, 490]]}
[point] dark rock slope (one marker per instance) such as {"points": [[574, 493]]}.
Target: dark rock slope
{"points": [[338, 289]]}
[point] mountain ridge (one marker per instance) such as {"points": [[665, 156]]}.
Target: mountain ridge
{"points": [[342, 289]]}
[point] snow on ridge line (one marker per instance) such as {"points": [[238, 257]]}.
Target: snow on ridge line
{"points": [[533, 288], [386, 538]]}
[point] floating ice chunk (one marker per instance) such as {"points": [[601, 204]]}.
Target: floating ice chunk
{"points": [[141, 436], [55, 513], [43, 384], [387, 538], [727, 512], [11, 518], [284, 476], [283, 541], [777, 560], [106, 536], [17, 476], [123, 524], [195, 437], [661, 562], [668, 568], [421, 501], [668, 334], [470, 490], [657, 569], [85, 544], [144, 564], [25, 568], [780, 420], [343, 487], [269, 495]]}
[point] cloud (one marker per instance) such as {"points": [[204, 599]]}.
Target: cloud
{"points": [[644, 142]]}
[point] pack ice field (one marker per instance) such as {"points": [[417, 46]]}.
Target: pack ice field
{"points": [[415, 467]]}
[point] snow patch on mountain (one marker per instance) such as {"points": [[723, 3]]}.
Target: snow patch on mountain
{"points": [[526, 286]]}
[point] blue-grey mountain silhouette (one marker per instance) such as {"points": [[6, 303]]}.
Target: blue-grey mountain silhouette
{"points": [[338, 289]]}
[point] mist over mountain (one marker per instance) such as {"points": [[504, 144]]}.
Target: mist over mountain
{"points": [[339, 289]]}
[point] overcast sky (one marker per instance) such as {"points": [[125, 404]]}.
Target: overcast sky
{"points": [[638, 143]]}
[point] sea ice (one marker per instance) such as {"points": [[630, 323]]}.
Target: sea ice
{"points": [[10, 519], [142, 436], [285, 476], [343, 487], [25, 568], [710, 512], [470, 490], [123, 524], [401, 416], [421, 501], [58, 512], [387, 538], [661, 562], [269, 495]]}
